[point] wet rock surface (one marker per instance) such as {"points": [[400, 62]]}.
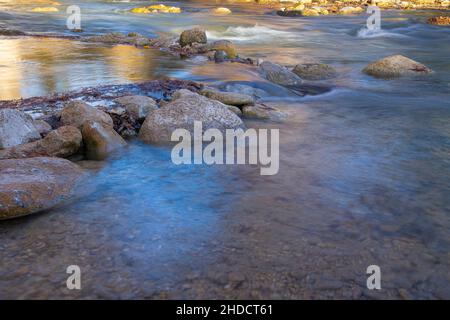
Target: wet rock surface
{"points": [[230, 98], [31, 185], [137, 106], [62, 142], [314, 71], [76, 113], [189, 37], [279, 74], [16, 128], [158, 89], [396, 66], [263, 112], [185, 108], [100, 140]]}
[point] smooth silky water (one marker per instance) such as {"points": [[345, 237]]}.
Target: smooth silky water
{"points": [[364, 169]]}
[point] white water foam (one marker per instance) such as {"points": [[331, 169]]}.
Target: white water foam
{"points": [[255, 33], [377, 33]]}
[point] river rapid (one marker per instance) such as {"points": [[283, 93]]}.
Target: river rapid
{"points": [[363, 180]]}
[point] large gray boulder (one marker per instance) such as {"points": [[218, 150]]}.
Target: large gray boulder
{"points": [[396, 66], [279, 74], [185, 108], [75, 113], [100, 141], [35, 184], [62, 142], [16, 128]]}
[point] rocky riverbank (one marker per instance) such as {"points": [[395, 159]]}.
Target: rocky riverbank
{"points": [[348, 7], [93, 123]]}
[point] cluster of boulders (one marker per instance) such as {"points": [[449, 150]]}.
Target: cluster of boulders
{"points": [[294, 78], [156, 8], [161, 8], [389, 67], [35, 177], [195, 41], [31, 179], [190, 42], [345, 7]]}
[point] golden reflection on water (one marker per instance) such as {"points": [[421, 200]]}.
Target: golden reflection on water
{"points": [[17, 4], [33, 67], [8, 56]]}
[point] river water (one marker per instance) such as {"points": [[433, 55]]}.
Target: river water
{"points": [[364, 169]]}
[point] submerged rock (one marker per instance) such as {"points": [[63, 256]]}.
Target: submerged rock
{"points": [[76, 112], [279, 74], [185, 108], [35, 184], [189, 37], [247, 89], [100, 141], [62, 142], [16, 128], [11, 32], [263, 112], [395, 66], [137, 106], [131, 38], [229, 98], [314, 71]]}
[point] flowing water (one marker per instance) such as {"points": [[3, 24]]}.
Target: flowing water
{"points": [[364, 169]]}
